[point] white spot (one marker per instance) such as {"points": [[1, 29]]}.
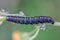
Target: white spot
{"points": [[43, 26], [21, 14]]}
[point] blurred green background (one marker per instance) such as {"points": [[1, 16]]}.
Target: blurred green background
{"points": [[31, 8]]}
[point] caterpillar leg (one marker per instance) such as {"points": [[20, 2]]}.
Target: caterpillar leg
{"points": [[43, 26]]}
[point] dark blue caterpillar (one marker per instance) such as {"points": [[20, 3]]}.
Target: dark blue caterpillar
{"points": [[30, 20]]}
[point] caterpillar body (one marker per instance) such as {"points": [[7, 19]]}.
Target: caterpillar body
{"points": [[30, 20]]}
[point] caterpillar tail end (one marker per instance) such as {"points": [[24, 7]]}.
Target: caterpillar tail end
{"points": [[2, 19]]}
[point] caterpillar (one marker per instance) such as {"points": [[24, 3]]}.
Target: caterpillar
{"points": [[30, 20]]}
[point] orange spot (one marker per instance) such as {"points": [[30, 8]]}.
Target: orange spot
{"points": [[16, 36]]}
